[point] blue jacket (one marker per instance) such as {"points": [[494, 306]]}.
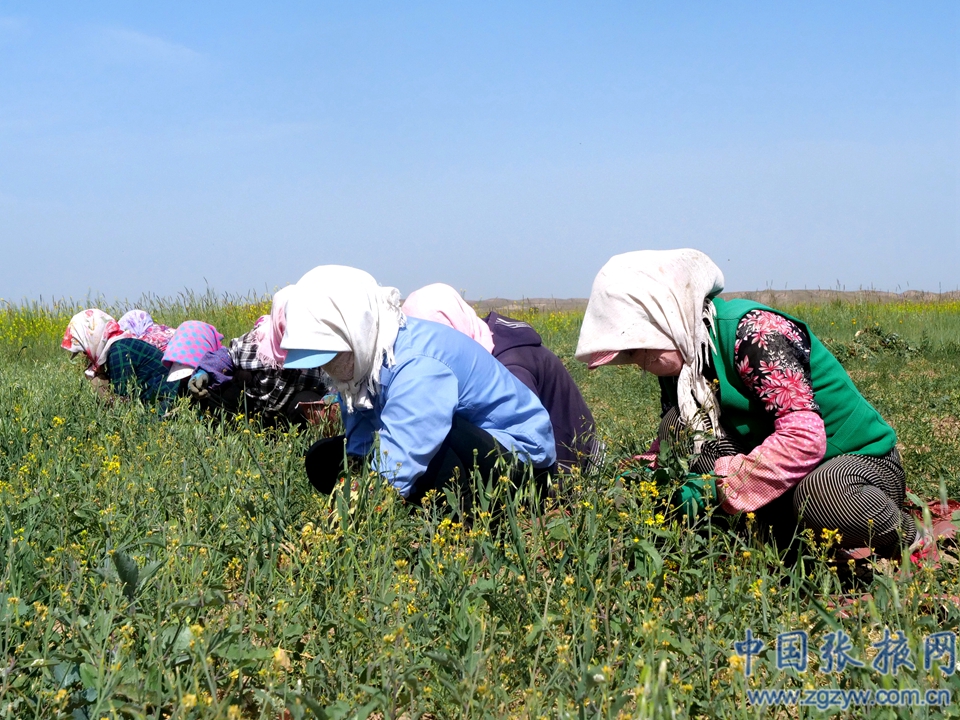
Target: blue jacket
{"points": [[440, 372]]}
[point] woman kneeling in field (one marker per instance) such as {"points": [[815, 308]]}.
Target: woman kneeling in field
{"points": [[248, 376], [140, 325], [520, 348], [773, 414], [117, 359], [435, 397], [192, 340]]}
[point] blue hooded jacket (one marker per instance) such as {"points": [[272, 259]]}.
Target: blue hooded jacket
{"points": [[440, 372]]}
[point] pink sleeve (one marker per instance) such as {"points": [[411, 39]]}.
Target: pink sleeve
{"points": [[650, 455], [794, 449]]}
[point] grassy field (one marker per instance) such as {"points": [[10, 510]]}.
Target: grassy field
{"points": [[185, 568]]}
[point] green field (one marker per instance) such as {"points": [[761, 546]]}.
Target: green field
{"points": [[185, 568]]}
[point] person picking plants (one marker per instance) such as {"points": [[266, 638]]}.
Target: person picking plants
{"points": [[771, 413], [192, 340], [429, 403], [140, 325], [521, 350], [117, 360], [249, 376]]}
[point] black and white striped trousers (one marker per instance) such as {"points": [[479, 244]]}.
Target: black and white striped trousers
{"points": [[859, 496]]}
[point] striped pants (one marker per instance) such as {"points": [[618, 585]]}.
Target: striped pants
{"points": [[859, 496]]}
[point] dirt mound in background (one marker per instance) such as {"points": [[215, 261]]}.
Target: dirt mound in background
{"points": [[502, 305], [820, 297], [773, 298]]}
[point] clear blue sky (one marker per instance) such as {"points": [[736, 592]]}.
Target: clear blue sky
{"points": [[505, 148]]}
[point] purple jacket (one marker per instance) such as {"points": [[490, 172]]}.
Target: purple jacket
{"points": [[520, 348]]}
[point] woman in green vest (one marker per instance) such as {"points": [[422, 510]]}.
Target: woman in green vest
{"points": [[771, 412]]}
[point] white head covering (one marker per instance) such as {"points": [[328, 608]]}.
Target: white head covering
{"points": [[92, 332], [657, 300], [334, 308]]}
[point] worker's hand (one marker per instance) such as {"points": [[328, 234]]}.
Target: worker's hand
{"points": [[198, 384], [695, 495], [101, 384]]}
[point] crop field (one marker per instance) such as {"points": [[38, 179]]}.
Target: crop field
{"points": [[184, 568]]}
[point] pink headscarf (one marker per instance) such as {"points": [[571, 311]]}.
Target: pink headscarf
{"points": [[159, 336], [192, 340], [441, 303], [270, 331], [92, 332]]}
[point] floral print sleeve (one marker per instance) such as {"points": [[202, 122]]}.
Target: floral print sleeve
{"points": [[773, 360]]}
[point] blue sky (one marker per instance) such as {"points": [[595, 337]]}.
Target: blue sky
{"points": [[505, 148]]}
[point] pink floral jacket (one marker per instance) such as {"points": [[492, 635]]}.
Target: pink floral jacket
{"points": [[772, 357]]}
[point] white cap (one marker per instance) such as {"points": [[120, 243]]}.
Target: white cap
{"points": [[179, 371]]}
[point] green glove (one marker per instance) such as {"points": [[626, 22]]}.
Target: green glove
{"points": [[198, 382], [695, 495]]}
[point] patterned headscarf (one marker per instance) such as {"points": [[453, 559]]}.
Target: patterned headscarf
{"points": [[441, 303], [270, 331], [140, 324], [135, 322], [334, 308], [92, 332], [657, 300], [192, 340]]}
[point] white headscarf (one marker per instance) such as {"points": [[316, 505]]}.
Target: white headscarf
{"points": [[658, 300], [335, 308], [92, 332]]}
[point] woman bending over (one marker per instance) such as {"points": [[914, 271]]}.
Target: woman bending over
{"points": [[248, 376], [423, 397], [116, 359], [520, 348], [773, 414]]}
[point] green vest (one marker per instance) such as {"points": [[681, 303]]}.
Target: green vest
{"points": [[853, 425]]}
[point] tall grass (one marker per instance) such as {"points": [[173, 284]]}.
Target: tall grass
{"points": [[34, 330], [932, 324]]}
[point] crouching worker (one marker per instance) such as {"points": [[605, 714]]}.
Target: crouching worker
{"points": [[436, 399], [248, 376], [192, 340], [118, 361], [772, 413], [140, 325], [520, 348]]}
